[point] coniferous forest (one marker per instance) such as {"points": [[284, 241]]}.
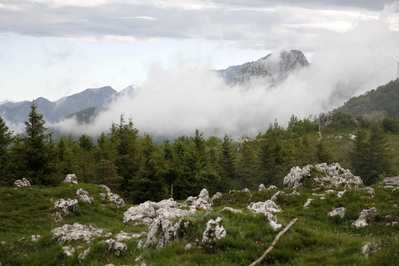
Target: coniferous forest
{"points": [[134, 165]]}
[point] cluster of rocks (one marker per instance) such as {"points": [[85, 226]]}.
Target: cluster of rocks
{"points": [[113, 197], [159, 216], [332, 175]]}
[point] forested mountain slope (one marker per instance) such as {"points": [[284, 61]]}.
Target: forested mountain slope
{"points": [[383, 99]]}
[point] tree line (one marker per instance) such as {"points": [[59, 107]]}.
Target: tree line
{"points": [[140, 169]]}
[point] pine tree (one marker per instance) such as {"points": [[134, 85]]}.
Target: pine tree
{"points": [[37, 154], [7, 165]]}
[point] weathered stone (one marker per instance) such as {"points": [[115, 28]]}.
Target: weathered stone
{"points": [[370, 190], [82, 256], [335, 176], [21, 183], [214, 231], [217, 195], [261, 188], [262, 207], [161, 232], [141, 214], [121, 236], [272, 187], [307, 203], [84, 196], [279, 193], [66, 206], [71, 179], [115, 247], [273, 221], [57, 217], [340, 194], [113, 197], [201, 202], [76, 231], [338, 211], [35, 238], [392, 181], [325, 119], [361, 221], [69, 250]]}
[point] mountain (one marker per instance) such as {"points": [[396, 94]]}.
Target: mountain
{"points": [[53, 111], [272, 68], [383, 99]]}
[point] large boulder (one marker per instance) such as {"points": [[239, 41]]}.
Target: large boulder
{"points": [[327, 176], [141, 214], [21, 183], [161, 232]]}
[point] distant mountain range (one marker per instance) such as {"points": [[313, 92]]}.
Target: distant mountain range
{"points": [[270, 69], [17, 112]]}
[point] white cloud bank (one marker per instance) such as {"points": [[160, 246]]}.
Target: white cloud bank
{"points": [[177, 100]]}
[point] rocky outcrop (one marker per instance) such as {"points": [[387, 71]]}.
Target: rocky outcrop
{"points": [[115, 247], [391, 181], [362, 220], [161, 232], [84, 196], [20, 183], [272, 69], [113, 197], [201, 202], [66, 206], [214, 231], [261, 207], [75, 232], [325, 119], [327, 176], [71, 179], [141, 214]]}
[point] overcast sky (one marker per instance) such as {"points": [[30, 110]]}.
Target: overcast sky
{"points": [[55, 48]]}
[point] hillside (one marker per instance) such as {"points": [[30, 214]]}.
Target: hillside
{"points": [[30, 234], [383, 99]]}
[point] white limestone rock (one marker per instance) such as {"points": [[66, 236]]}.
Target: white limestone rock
{"points": [[20, 183], [261, 188], [82, 256], [115, 247], [161, 232], [217, 195], [278, 193], [273, 221], [141, 214], [307, 203], [262, 207], [66, 206], [340, 194], [335, 176], [361, 221], [84, 196], [370, 190], [35, 238], [69, 250], [201, 202], [75, 232], [214, 231], [338, 211], [113, 197], [71, 179]]}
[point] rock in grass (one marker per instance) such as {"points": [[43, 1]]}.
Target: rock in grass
{"points": [[113, 197], [82, 256], [68, 250], [71, 179], [75, 232], [66, 206], [214, 231], [307, 203], [84, 196], [141, 214], [361, 221], [338, 211], [116, 247], [20, 183], [262, 207]]}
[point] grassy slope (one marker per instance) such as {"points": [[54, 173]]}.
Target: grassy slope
{"points": [[316, 239]]}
